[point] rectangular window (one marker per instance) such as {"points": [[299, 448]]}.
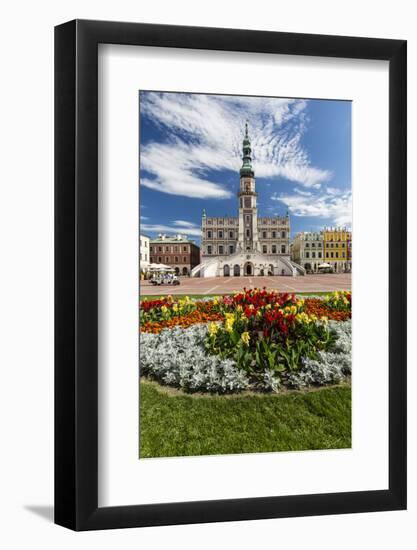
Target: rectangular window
{"points": [[209, 249], [184, 248], [209, 234], [230, 234], [184, 259], [283, 234], [160, 259], [248, 233], [264, 249], [307, 254], [283, 249], [331, 254], [264, 234], [166, 259], [220, 249], [274, 249], [313, 254], [220, 234], [231, 249]]}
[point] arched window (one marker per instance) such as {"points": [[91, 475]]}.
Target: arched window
{"points": [[236, 270], [226, 271]]}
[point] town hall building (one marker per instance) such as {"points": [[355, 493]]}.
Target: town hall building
{"points": [[246, 245]]}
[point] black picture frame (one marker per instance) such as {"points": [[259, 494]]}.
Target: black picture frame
{"points": [[76, 273]]}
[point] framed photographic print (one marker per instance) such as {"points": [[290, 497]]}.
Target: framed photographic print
{"points": [[230, 275]]}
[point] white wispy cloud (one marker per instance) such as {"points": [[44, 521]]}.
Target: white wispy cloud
{"points": [[203, 134], [335, 205], [178, 226], [183, 223]]}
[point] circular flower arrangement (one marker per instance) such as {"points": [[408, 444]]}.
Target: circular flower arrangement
{"points": [[269, 337]]}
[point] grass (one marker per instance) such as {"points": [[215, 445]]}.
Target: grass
{"points": [[175, 424]]}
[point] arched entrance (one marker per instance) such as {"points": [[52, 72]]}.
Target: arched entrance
{"points": [[184, 271], [236, 270], [271, 269], [248, 269], [226, 271], [177, 271]]}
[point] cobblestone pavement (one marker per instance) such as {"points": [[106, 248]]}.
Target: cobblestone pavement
{"points": [[225, 285]]}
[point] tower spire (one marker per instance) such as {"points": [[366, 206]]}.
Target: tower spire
{"points": [[246, 169]]}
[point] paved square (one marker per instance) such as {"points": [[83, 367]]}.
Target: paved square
{"points": [[226, 285]]}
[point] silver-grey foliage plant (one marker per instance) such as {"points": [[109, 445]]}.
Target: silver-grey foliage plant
{"points": [[177, 357]]}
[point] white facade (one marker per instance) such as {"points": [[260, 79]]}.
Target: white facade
{"points": [[308, 250], [144, 253]]}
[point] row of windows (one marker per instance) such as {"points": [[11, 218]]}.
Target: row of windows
{"points": [[313, 245], [273, 235], [175, 248], [334, 245], [335, 255], [231, 221], [338, 240], [220, 249], [313, 255], [220, 234], [265, 234], [169, 260], [274, 249]]}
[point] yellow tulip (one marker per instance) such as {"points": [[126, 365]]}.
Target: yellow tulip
{"points": [[245, 338]]}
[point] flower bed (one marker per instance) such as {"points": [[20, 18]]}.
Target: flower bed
{"points": [[254, 339]]}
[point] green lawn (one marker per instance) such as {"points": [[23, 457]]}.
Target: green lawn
{"points": [[176, 424]]}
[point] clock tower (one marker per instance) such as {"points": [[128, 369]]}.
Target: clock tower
{"points": [[248, 212]]}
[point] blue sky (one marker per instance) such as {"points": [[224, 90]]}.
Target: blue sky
{"points": [[190, 155]]}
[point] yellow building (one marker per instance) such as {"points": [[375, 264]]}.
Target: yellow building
{"points": [[337, 246]]}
